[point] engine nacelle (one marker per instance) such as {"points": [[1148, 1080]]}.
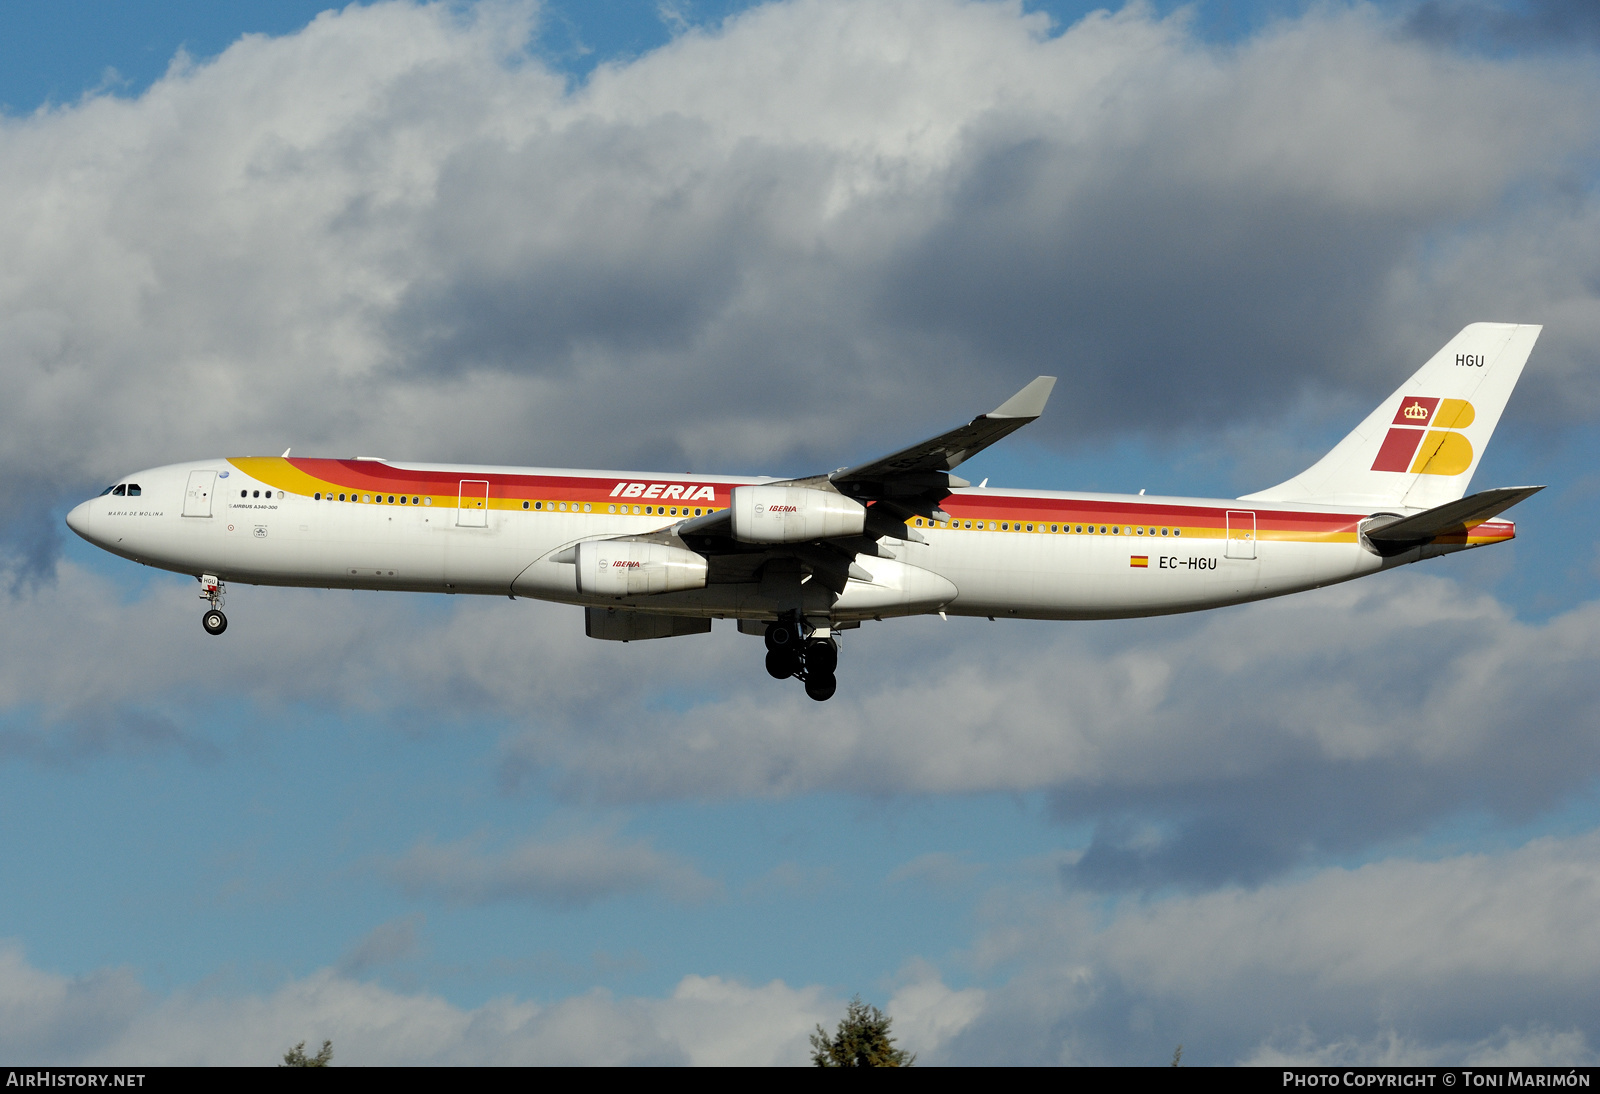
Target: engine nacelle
{"points": [[626, 567], [793, 514]]}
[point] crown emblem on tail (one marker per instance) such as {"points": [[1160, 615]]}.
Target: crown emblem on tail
{"points": [[1417, 412]]}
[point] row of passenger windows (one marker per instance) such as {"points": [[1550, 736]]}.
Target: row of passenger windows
{"points": [[258, 493], [123, 490], [623, 510], [373, 499], [542, 506], [1070, 529]]}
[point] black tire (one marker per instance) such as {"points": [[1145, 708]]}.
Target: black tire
{"points": [[822, 657], [214, 622], [821, 686], [783, 663], [780, 636]]}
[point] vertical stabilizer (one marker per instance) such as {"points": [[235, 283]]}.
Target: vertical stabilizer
{"points": [[1421, 446]]}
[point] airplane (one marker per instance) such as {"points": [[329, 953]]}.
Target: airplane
{"points": [[800, 560]]}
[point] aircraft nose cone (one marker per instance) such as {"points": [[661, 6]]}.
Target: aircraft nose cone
{"points": [[79, 520]]}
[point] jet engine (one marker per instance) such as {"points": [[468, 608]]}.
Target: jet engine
{"points": [[793, 514], [630, 567]]}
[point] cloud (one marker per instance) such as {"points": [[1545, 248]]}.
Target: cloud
{"points": [[814, 231], [1535, 23], [938, 870], [107, 1018], [1225, 747], [47, 1017], [1485, 959], [385, 944], [569, 872], [1474, 957]]}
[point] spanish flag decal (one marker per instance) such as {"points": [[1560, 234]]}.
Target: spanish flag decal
{"points": [[1141, 561]]}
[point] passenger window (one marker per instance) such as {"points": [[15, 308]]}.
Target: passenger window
{"points": [[525, 505], [611, 508], [586, 507], [402, 499], [391, 499], [697, 512]]}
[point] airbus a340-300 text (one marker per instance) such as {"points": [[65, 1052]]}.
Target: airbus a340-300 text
{"points": [[799, 560]]}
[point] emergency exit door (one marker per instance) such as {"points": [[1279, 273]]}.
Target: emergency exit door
{"points": [[1241, 535], [473, 508], [197, 495]]}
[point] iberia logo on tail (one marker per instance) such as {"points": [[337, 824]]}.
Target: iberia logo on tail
{"points": [[1440, 450]]}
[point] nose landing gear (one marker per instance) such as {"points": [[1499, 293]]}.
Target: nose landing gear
{"points": [[213, 590], [813, 660]]}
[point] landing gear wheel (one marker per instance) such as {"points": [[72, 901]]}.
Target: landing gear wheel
{"points": [[214, 622], [781, 636], [821, 686], [822, 657], [783, 663]]}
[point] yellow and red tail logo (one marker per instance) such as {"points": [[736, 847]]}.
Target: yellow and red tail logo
{"points": [[1410, 447]]}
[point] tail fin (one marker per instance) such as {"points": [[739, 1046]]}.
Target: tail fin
{"points": [[1420, 447]]}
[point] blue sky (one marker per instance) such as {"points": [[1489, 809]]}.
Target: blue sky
{"points": [[774, 240]]}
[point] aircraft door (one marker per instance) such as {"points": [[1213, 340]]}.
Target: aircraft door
{"points": [[197, 495], [1241, 535], [473, 510]]}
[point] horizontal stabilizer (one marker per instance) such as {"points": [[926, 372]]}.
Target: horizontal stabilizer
{"points": [[1452, 517]]}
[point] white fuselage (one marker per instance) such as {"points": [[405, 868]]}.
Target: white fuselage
{"points": [[504, 531]]}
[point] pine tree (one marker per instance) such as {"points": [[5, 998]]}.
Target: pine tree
{"points": [[862, 1041], [296, 1056]]}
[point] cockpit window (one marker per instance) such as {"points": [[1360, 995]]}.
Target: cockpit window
{"points": [[107, 490], [119, 491], [133, 490]]}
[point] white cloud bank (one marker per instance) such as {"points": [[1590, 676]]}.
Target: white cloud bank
{"points": [[1476, 959], [1249, 738], [395, 231]]}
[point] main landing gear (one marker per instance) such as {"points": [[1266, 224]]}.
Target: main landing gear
{"points": [[812, 660], [216, 592]]}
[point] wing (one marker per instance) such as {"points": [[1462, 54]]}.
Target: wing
{"points": [[912, 481]]}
